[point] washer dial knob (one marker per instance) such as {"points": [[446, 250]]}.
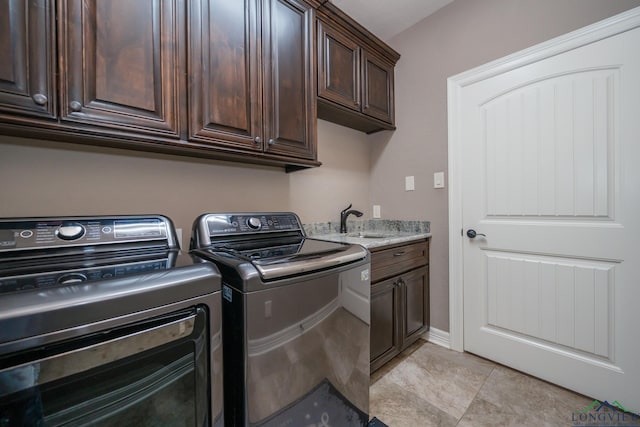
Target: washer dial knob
{"points": [[70, 231], [254, 223]]}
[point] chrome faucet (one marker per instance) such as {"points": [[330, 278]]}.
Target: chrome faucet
{"points": [[343, 217]]}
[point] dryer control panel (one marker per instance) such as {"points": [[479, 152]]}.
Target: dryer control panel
{"points": [[211, 227], [43, 233], [223, 224]]}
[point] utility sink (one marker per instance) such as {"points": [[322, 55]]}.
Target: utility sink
{"points": [[366, 235]]}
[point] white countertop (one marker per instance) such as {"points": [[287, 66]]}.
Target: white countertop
{"points": [[385, 239]]}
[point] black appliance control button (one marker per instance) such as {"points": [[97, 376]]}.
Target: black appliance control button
{"points": [[25, 234], [254, 223], [70, 231]]}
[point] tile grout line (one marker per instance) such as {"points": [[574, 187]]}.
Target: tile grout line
{"points": [[476, 395]]}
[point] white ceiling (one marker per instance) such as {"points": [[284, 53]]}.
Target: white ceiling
{"points": [[386, 18]]}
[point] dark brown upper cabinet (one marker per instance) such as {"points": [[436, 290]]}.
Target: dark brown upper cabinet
{"points": [[338, 68], [377, 88], [225, 101], [27, 58], [230, 80], [289, 92], [355, 74], [119, 65], [252, 82]]}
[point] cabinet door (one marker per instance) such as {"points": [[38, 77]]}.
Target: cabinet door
{"points": [[385, 327], [377, 96], [27, 36], [338, 68], [415, 298], [289, 92], [225, 105], [119, 64]]}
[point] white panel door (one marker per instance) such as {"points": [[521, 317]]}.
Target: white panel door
{"points": [[550, 172]]}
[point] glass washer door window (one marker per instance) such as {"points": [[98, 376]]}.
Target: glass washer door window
{"points": [[150, 373]]}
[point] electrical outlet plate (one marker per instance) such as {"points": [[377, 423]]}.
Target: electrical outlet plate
{"points": [[438, 180], [376, 211]]}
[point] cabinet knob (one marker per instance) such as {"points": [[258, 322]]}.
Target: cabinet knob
{"points": [[40, 99], [257, 140], [272, 141], [75, 106], [356, 103]]}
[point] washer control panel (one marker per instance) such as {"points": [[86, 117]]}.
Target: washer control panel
{"points": [[82, 231], [226, 224]]}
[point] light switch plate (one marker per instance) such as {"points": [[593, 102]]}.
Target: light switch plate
{"points": [[409, 183], [438, 180], [376, 211]]}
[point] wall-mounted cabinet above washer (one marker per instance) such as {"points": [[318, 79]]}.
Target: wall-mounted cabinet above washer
{"points": [[252, 83], [355, 73], [231, 80]]}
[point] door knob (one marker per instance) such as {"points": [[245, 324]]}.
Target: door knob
{"points": [[471, 233]]}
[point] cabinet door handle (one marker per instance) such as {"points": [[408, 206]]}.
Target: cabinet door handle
{"points": [[272, 141], [75, 106], [257, 140], [40, 99], [399, 253]]}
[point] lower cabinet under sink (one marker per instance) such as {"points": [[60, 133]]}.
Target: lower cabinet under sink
{"points": [[399, 298]]}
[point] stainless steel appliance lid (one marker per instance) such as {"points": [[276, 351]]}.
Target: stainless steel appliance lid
{"points": [[313, 255], [273, 242], [283, 257], [46, 273], [46, 310]]}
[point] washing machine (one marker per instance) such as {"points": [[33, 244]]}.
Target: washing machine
{"points": [[103, 321], [296, 320]]}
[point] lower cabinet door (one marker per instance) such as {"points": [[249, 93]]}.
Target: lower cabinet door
{"points": [[415, 298], [385, 327]]}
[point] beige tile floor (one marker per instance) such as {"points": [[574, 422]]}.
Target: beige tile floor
{"points": [[428, 385]]}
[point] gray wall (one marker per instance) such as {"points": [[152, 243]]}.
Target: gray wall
{"points": [[43, 178], [460, 36]]}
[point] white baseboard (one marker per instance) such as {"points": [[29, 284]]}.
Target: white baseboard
{"points": [[436, 336]]}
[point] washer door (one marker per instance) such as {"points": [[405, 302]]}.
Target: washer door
{"points": [[150, 373]]}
